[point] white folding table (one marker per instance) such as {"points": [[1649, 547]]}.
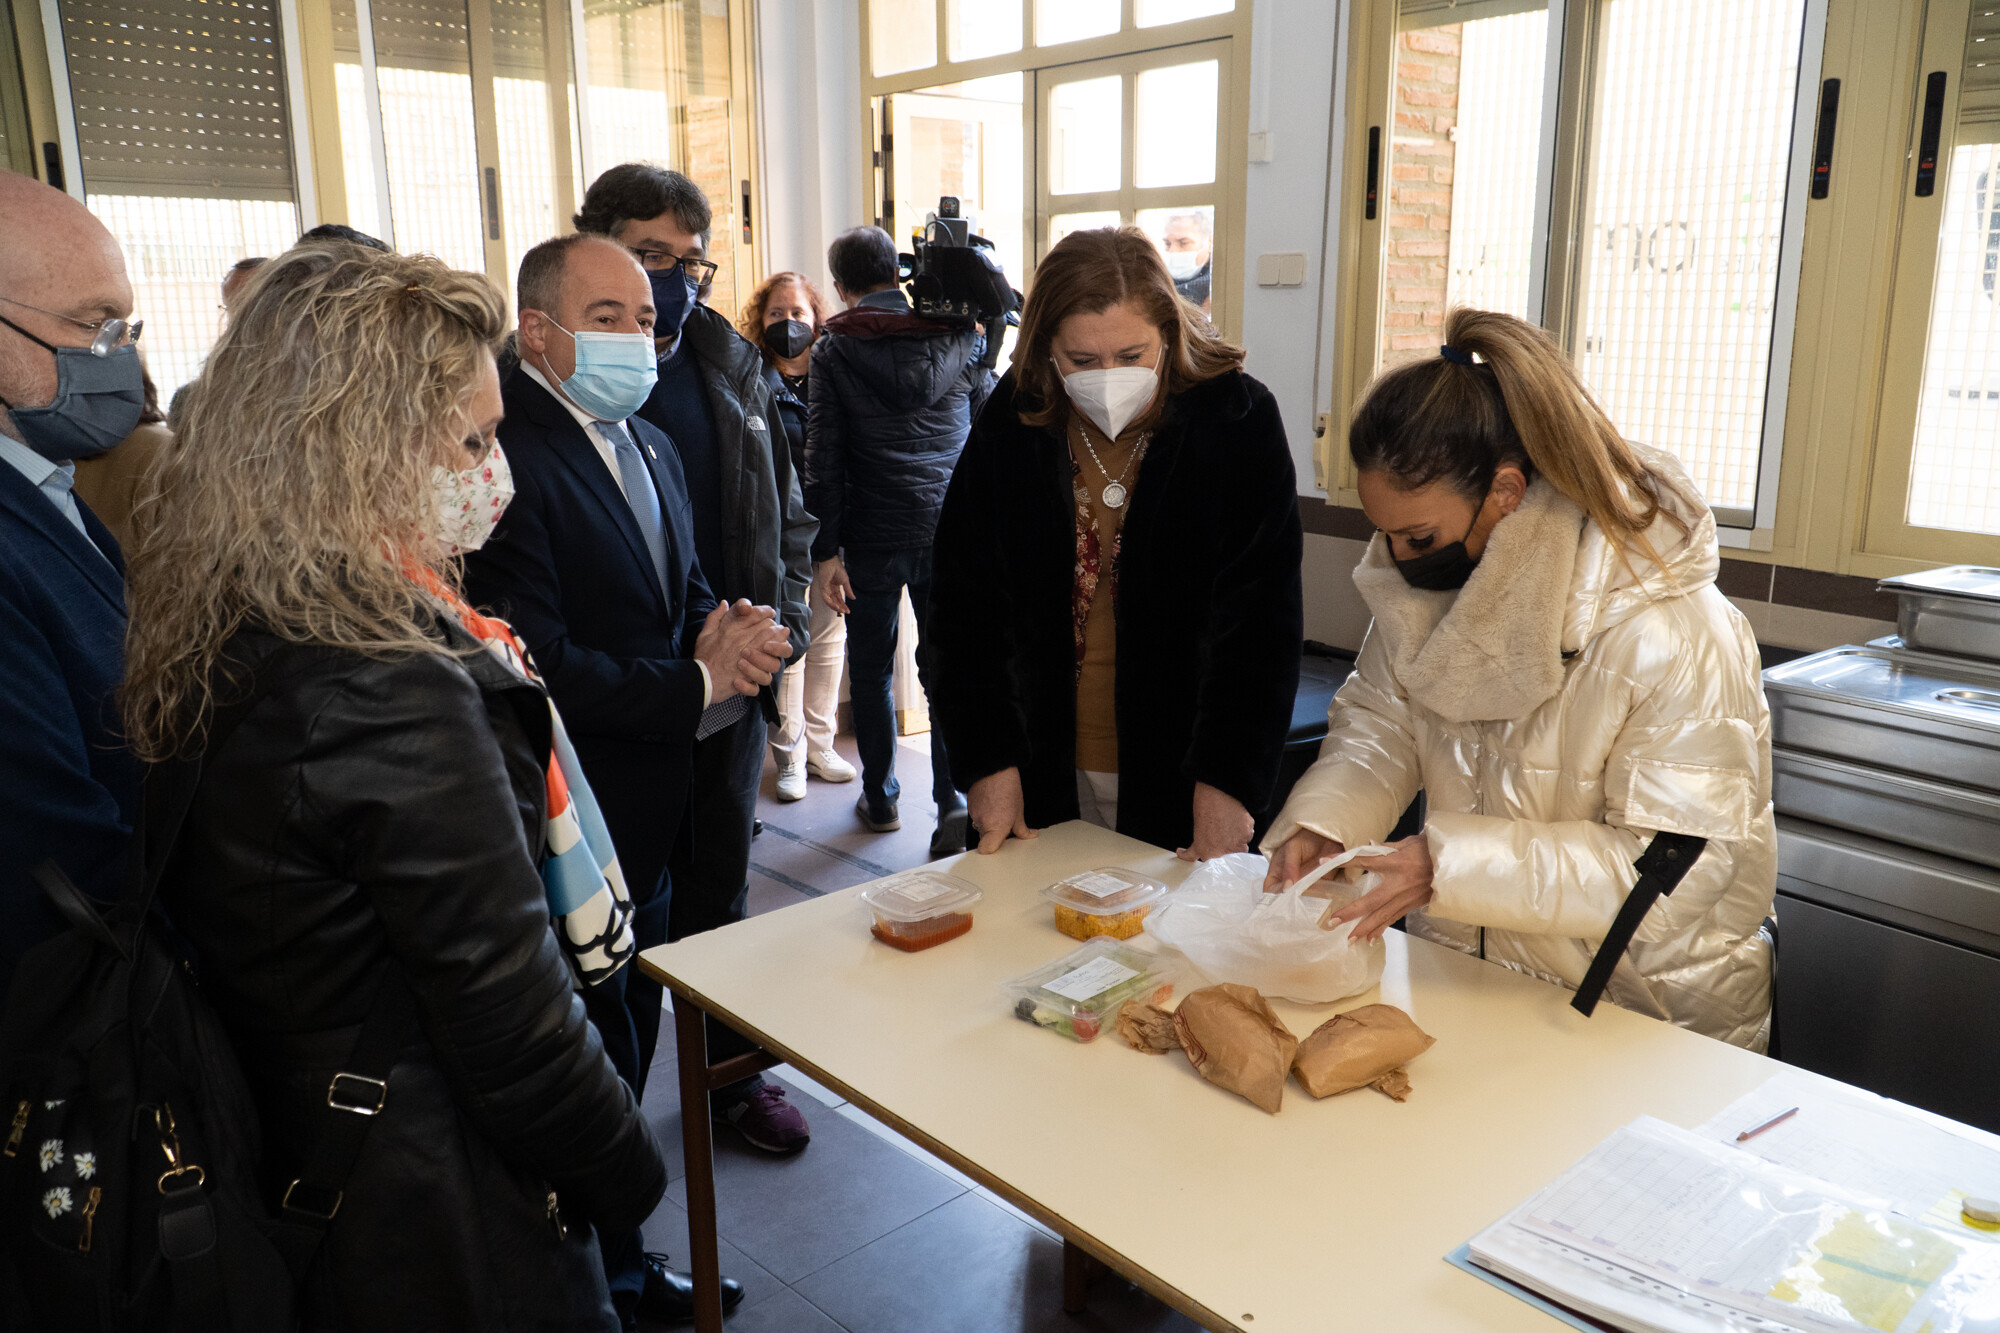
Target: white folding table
{"points": [[1330, 1214]]}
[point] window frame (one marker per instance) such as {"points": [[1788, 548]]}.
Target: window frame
{"points": [[315, 144], [1563, 207], [1887, 530], [1232, 117]]}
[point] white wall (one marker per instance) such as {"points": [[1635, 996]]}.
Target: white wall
{"points": [[1294, 64], [809, 86]]}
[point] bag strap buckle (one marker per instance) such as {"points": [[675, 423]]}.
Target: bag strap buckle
{"points": [[304, 1208], [360, 1103]]}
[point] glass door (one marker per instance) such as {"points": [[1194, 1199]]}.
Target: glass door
{"points": [[1458, 201], [1936, 491], [1133, 140], [1629, 174], [965, 140]]}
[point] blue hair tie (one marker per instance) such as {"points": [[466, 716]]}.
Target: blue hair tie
{"points": [[1454, 355]]}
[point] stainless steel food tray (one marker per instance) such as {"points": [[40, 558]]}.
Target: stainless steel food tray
{"points": [[1933, 816], [1907, 886], [1951, 610], [1934, 717]]}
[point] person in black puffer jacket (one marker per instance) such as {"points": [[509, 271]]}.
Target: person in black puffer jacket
{"points": [[892, 399], [377, 817]]}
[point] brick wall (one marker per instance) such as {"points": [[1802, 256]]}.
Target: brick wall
{"points": [[1421, 160]]}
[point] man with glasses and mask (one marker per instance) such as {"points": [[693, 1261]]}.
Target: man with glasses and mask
{"points": [[754, 539], [595, 564], [70, 388]]}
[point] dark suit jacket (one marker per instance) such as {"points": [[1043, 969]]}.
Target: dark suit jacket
{"points": [[67, 784], [569, 570]]}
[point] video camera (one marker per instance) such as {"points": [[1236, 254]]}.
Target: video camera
{"points": [[954, 277]]}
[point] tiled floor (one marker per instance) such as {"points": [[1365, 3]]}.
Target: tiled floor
{"points": [[864, 1231]]}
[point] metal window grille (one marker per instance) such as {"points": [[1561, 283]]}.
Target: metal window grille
{"points": [[182, 128], [1688, 163]]}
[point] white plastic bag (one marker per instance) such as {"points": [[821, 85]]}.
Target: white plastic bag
{"points": [[1229, 928]]}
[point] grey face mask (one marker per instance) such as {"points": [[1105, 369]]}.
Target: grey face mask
{"points": [[98, 401]]}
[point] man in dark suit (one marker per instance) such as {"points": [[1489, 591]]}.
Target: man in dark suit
{"points": [[70, 387], [595, 565], [753, 535]]}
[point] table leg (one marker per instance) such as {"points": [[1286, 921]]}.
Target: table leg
{"points": [[698, 1144], [1078, 1270]]}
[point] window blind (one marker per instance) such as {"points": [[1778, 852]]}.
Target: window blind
{"points": [[421, 34], [1979, 91], [1414, 14], [181, 98]]}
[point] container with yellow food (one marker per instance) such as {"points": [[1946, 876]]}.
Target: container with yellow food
{"points": [[1113, 901]]}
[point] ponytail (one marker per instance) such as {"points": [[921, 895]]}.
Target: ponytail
{"points": [[1522, 403]]}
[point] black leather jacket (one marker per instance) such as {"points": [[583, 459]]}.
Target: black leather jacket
{"points": [[378, 814]]}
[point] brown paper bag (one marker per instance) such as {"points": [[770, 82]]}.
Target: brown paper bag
{"points": [[1236, 1042], [1148, 1028], [1366, 1045]]}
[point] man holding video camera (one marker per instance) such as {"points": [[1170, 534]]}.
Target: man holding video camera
{"points": [[893, 397]]}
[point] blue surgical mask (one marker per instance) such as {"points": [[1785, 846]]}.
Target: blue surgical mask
{"points": [[98, 401], [673, 299], [615, 373]]}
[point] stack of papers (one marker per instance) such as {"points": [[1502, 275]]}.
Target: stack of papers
{"points": [[1663, 1229]]}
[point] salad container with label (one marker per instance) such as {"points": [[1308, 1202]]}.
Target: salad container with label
{"points": [[1080, 994], [1113, 901], [921, 908]]}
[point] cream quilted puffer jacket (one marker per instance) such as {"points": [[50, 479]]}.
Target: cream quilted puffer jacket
{"points": [[1557, 711]]}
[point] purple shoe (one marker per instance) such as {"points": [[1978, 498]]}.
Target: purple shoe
{"points": [[767, 1121]]}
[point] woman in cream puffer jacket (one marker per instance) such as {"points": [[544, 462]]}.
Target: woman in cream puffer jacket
{"points": [[1573, 698]]}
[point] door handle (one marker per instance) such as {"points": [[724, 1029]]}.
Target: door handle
{"points": [[1969, 698], [1374, 171], [1927, 144], [1822, 168]]}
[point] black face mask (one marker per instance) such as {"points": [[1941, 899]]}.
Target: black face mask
{"points": [[787, 338], [1444, 570]]}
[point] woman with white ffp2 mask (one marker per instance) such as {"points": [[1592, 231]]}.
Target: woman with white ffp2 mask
{"points": [[1115, 612]]}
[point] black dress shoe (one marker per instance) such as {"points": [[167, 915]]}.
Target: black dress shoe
{"points": [[669, 1294]]}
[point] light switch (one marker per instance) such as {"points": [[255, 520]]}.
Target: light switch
{"points": [[1260, 145], [1281, 270]]}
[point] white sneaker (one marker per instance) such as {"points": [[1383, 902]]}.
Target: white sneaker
{"points": [[828, 766], [791, 782]]}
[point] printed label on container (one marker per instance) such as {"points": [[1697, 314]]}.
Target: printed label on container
{"points": [[919, 892], [1093, 978], [1097, 884]]}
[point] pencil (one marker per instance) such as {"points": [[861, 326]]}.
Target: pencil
{"points": [[1774, 1120]]}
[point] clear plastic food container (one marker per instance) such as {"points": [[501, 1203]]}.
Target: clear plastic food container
{"points": [[921, 908], [1080, 994], [1112, 901]]}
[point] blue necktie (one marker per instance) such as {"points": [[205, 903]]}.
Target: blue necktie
{"points": [[641, 495], [645, 502]]}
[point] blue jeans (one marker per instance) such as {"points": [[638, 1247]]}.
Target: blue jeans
{"points": [[879, 578]]}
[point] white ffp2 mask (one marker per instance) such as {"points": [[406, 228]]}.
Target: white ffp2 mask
{"points": [[1112, 398]]}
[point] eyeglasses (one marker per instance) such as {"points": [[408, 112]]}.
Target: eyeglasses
{"points": [[109, 334], [659, 261]]}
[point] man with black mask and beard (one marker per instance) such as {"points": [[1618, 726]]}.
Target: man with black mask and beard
{"points": [[753, 538]]}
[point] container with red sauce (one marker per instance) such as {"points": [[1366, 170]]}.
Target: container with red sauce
{"points": [[920, 909]]}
